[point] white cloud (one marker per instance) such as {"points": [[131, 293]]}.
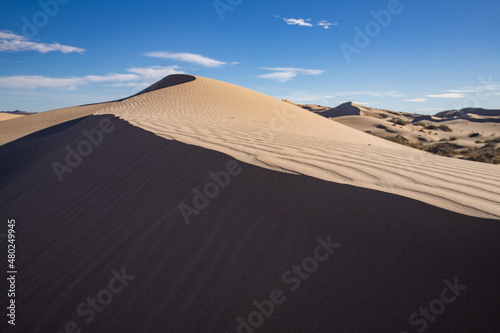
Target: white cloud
{"points": [[367, 93], [299, 22], [295, 70], [489, 87], [326, 25], [16, 43], [35, 81], [5, 34], [461, 91], [417, 100], [448, 95], [279, 76], [364, 103], [189, 57], [305, 97], [113, 77], [137, 77], [308, 99], [339, 96], [307, 22], [466, 91], [483, 86], [430, 109], [285, 74]]}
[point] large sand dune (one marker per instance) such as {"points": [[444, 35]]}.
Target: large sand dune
{"points": [[107, 247], [119, 210], [266, 132]]}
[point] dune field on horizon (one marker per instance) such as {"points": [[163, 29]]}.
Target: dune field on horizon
{"points": [[201, 206]]}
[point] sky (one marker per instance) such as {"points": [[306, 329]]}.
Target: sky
{"points": [[411, 55]]}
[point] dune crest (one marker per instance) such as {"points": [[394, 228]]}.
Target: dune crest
{"points": [[276, 135], [168, 81]]}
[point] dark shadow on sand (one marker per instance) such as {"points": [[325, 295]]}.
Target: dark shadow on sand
{"points": [[120, 209]]}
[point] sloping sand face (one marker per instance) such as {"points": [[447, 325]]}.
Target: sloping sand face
{"points": [[8, 116], [263, 131], [108, 249]]}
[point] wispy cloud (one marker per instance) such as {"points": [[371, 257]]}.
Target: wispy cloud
{"points": [[113, 77], [306, 99], [36, 81], [10, 42], [296, 70], [285, 74], [448, 95], [430, 109], [364, 103], [366, 93], [461, 91], [189, 57], [299, 22], [326, 25], [484, 86], [340, 96], [308, 22], [279, 76], [136, 77], [416, 100]]}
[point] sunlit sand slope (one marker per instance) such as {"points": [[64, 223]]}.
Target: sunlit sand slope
{"points": [[266, 132]]}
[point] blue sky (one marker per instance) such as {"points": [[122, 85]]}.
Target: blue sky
{"points": [[415, 56]]}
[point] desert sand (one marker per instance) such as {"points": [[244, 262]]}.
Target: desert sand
{"points": [[466, 128], [405, 224], [269, 133], [7, 116], [22, 126]]}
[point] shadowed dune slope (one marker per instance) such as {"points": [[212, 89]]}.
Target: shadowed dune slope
{"points": [[266, 132], [168, 81], [118, 209]]}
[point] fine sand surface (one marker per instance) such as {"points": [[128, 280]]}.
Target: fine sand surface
{"points": [[263, 131], [471, 128], [8, 116], [468, 134], [118, 211]]}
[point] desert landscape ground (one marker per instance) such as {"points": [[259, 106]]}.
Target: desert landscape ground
{"points": [[7, 116], [470, 133], [201, 206]]}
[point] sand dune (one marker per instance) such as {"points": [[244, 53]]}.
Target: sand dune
{"points": [[296, 223], [117, 214], [22, 126], [460, 130], [7, 116], [269, 133]]}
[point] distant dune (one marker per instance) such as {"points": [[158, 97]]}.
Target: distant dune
{"points": [[7, 116], [18, 128], [201, 206], [467, 134]]}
